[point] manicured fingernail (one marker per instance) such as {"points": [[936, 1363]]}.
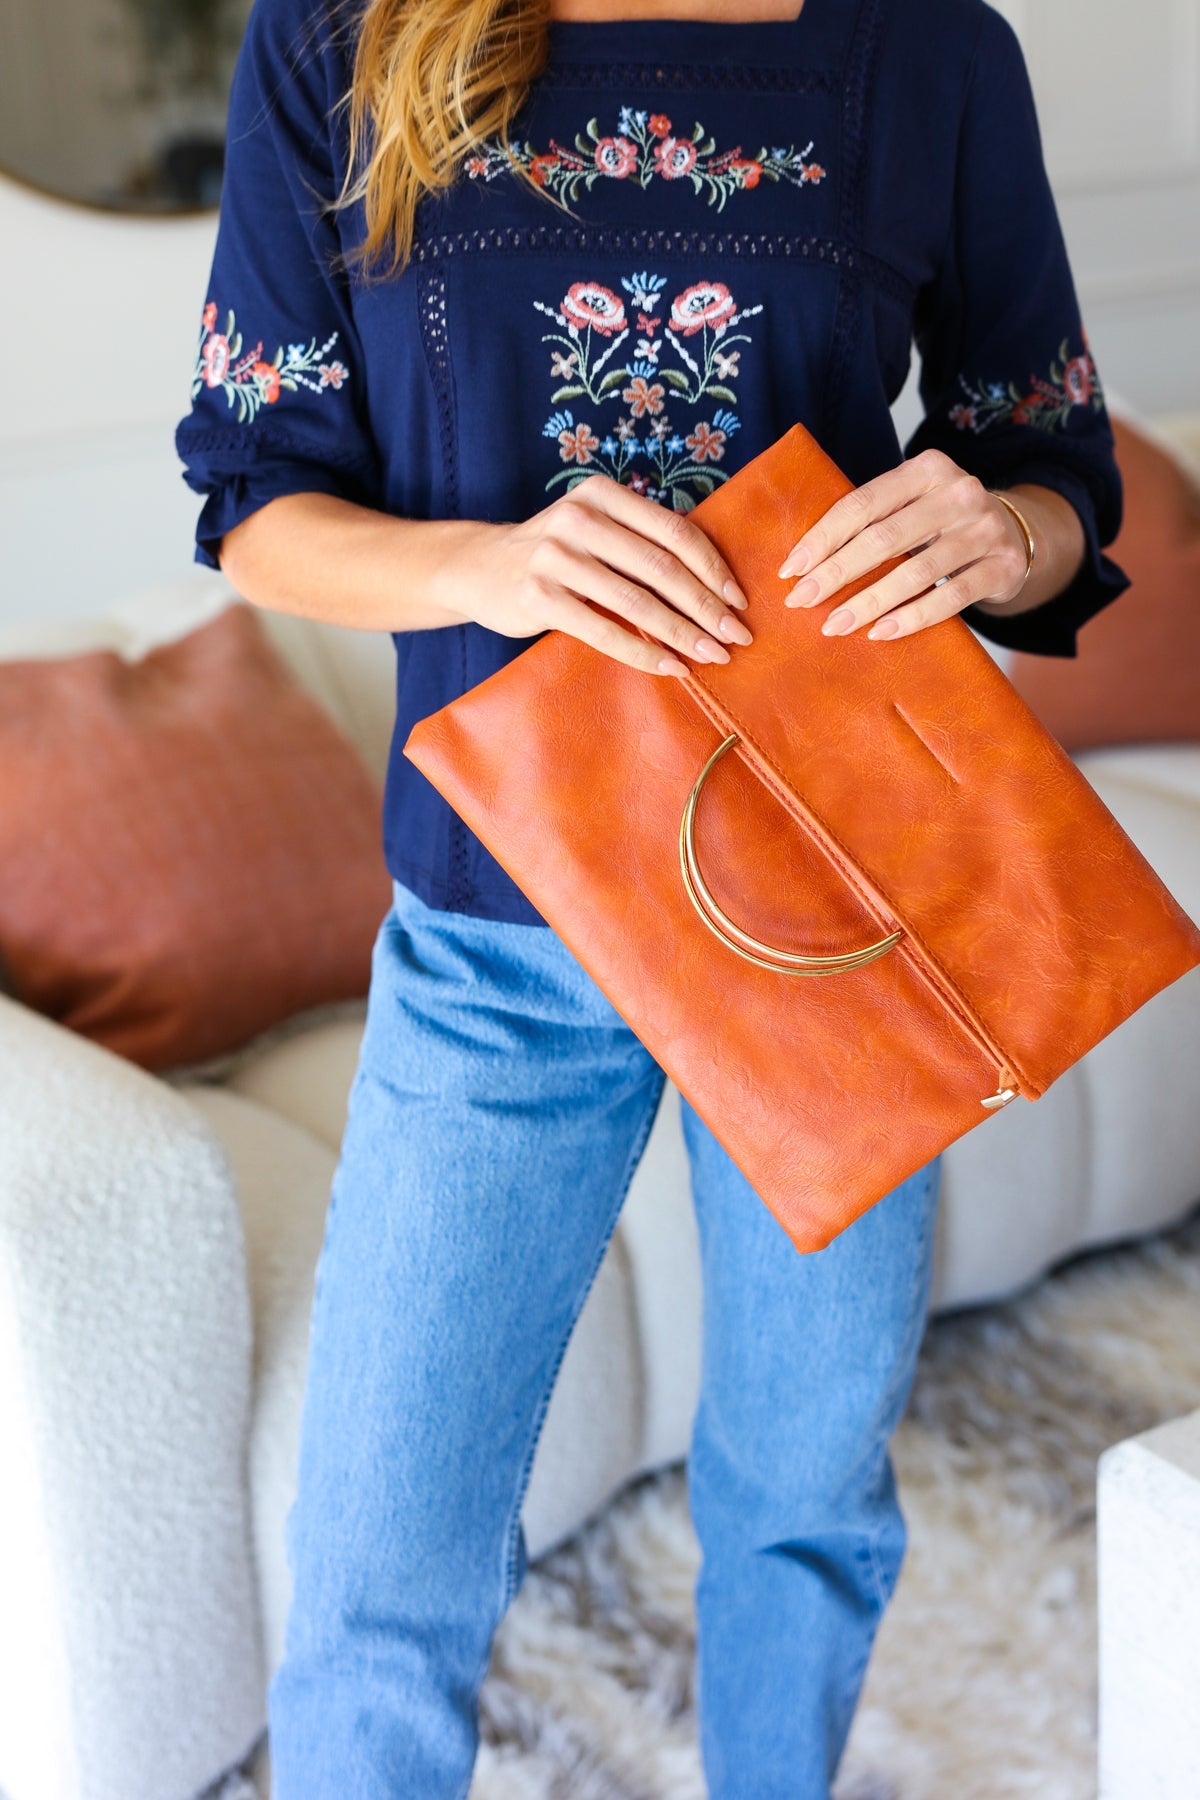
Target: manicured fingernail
{"points": [[734, 595], [800, 596], [670, 665], [839, 623], [708, 650], [733, 628], [884, 629], [795, 564]]}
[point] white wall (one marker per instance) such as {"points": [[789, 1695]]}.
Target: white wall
{"points": [[99, 313]]}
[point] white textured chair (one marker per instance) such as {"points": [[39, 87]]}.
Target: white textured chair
{"points": [[157, 1245]]}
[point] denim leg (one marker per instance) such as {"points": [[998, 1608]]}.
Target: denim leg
{"points": [[807, 1361], [496, 1116]]}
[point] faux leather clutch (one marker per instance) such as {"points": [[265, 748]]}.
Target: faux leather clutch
{"points": [[850, 894]]}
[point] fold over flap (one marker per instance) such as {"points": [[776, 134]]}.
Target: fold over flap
{"points": [[994, 852]]}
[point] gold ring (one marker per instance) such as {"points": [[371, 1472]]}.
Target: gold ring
{"points": [[764, 956]]}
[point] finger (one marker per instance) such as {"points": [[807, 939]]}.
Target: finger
{"points": [[953, 553], [883, 494], [979, 537], [647, 565], [921, 522], [566, 612], [939, 604], [581, 574], [673, 531]]}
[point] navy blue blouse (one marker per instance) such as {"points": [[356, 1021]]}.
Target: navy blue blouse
{"points": [[739, 226]]}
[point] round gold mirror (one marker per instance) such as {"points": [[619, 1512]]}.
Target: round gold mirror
{"points": [[118, 103]]}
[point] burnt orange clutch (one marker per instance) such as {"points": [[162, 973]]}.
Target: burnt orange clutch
{"points": [[850, 894]]}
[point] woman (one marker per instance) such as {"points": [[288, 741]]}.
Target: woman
{"points": [[541, 276]]}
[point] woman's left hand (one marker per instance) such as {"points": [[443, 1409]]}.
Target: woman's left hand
{"points": [[931, 506]]}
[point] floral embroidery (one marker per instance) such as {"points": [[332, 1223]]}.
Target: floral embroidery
{"points": [[1073, 382], [678, 463], [248, 379], [645, 145]]}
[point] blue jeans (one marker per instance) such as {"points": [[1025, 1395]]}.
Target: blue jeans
{"points": [[496, 1118]]}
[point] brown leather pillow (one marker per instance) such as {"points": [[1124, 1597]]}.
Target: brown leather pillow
{"points": [[1135, 678], [190, 849]]}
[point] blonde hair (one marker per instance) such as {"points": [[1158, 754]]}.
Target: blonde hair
{"points": [[431, 80]]}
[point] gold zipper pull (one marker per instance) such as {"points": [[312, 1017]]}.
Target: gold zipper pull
{"points": [[1004, 1092]]}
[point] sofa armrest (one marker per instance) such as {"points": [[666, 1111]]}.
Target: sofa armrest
{"points": [[130, 1659]]}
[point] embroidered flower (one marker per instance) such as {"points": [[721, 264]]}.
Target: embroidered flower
{"points": [[267, 376], [705, 303], [644, 145], [1045, 404], [578, 442], [586, 303], [251, 381], [642, 397], [590, 329], [674, 158], [707, 441], [215, 358], [616, 157]]}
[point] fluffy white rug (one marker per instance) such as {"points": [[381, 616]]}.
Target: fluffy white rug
{"points": [[982, 1686]]}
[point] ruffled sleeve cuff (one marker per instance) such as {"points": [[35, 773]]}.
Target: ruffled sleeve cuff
{"points": [[237, 478]]}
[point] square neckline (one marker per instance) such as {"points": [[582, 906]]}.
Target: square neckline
{"points": [[681, 41]]}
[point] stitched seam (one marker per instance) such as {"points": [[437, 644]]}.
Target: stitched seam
{"points": [[705, 77], [631, 1167], [431, 306], [235, 438], [852, 158], [660, 239], [807, 815]]}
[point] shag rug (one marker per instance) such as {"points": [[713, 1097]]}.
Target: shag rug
{"points": [[982, 1685]]}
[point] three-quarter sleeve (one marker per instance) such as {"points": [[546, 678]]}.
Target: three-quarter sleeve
{"points": [[277, 387], [1008, 383]]}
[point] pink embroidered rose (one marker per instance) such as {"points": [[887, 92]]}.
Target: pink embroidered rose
{"points": [[660, 125], [588, 303], [267, 375], [332, 374], [674, 157], [706, 442], [642, 397], [1077, 379], [578, 445], [216, 359], [210, 315], [616, 156], [704, 303]]}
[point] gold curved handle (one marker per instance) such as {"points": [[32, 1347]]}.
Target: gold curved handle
{"points": [[765, 956]]}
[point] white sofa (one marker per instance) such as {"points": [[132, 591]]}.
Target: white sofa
{"points": [[157, 1245]]}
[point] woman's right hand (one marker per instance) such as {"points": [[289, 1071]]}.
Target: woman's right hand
{"points": [[601, 545]]}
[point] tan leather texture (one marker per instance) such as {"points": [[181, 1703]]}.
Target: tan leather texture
{"points": [[876, 787]]}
